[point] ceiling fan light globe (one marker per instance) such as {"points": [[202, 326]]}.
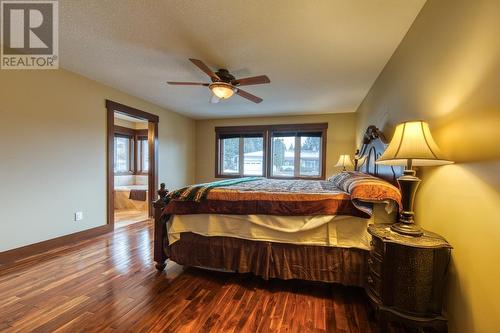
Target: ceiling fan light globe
{"points": [[222, 90]]}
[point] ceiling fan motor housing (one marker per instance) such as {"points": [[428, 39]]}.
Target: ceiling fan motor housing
{"points": [[224, 76]]}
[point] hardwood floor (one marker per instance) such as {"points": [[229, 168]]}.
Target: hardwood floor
{"points": [[109, 284], [126, 217]]}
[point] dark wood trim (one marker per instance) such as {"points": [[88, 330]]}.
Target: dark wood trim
{"points": [[217, 155], [298, 127], [153, 164], [275, 127], [267, 133], [140, 133], [241, 129], [15, 255], [134, 161], [130, 132], [130, 111], [324, 138], [153, 120], [110, 202]]}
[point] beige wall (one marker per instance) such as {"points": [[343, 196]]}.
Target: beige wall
{"points": [[340, 138], [131, 124], [447, 71], [53, 153]]}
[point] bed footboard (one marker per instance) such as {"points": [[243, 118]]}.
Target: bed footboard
{"points": [[160, 229]]}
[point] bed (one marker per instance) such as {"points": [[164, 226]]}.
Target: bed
{"points": [[275, 228]]}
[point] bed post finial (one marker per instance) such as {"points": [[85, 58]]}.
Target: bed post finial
{"points": [[162, 192]]}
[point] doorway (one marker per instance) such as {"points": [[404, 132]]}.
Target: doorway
{"points": [[132, 164]]}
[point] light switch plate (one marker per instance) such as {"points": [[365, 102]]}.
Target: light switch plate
{"points": [[78, 216]]}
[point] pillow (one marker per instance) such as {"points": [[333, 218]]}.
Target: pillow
{"points": [[365, 188]]}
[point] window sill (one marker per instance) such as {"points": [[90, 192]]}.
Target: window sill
{"points": [[270, 177], [302, 177], [129, 173]]}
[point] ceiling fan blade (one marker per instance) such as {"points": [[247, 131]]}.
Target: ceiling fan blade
{"points": [[201, 65], [187, 83], [261, 79], [214, 99], [248, 96]]}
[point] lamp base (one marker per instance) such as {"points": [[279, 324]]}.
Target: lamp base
{"points": [[408, 183], [407, 229]]}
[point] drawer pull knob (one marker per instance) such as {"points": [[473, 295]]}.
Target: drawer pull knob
{"points": [[370, 280]]}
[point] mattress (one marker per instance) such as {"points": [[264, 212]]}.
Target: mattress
{"points": [[347, 194], [322, 230]]}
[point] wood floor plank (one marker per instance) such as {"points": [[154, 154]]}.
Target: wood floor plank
{"points": [[109, 284]]}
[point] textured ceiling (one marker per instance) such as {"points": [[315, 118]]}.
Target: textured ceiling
{"points": [[321, 56]]}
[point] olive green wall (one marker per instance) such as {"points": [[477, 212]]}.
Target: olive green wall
{"points": [[53, 153], [340, 137], [447, 71]]}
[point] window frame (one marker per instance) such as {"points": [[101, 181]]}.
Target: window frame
{"points": [[130, 170], [135, 136], [139, 139], [240, 132], [268, 133]]}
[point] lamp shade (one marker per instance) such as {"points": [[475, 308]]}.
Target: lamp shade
{"points": [[222, 90], [412, 144], [344, 161]]}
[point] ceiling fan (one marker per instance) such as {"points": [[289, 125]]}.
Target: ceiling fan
{"points": [[224, 84]]}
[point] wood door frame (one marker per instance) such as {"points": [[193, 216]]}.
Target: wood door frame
{"points": [[153, 121]]}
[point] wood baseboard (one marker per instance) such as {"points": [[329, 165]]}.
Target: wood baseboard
{"points": [[14, 256]]}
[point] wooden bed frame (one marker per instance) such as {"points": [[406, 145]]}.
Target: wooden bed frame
{"points": [[374, 144]]}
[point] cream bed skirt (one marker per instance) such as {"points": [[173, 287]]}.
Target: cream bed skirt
{"points": [[324, 230]]}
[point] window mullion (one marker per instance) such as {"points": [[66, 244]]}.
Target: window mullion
{"points": [[266, 159], [241, 156], [131, 154], [220, 158], [296, 165]]}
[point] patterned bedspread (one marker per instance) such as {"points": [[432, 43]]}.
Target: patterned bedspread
{"points": [[345, 194]]}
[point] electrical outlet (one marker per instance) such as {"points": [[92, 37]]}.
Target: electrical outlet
{"points": [[78, 216]]}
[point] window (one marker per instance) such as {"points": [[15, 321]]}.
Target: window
{"points": [[142, 155], [295, 151], [310, 155], [253, 156], [296, 155], [123, 153], [283, 157], [241, 155], [131, 153]]}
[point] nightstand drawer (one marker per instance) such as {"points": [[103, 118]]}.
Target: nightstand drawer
{"points": [[377, 247], [375, 264], [374, 285]]}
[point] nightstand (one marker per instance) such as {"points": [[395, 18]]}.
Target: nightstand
{"points": [[406, 278]]}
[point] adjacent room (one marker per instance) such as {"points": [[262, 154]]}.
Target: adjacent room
{"points": [[265, 166], [131, 167]]}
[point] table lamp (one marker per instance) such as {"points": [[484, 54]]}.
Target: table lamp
{"points": [[344, 161], [412, 145]]}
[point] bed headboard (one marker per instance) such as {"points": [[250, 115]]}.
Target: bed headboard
{"points": [[373, 146]]}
